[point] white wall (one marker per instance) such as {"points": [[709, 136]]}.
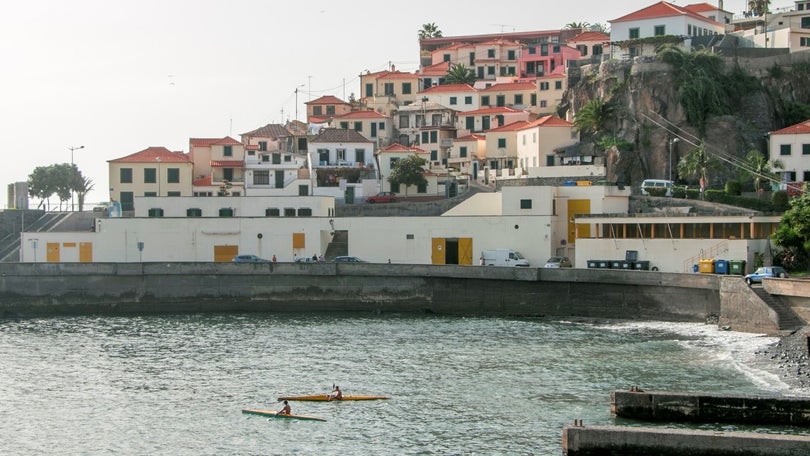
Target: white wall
{"points": [[244, 206]]}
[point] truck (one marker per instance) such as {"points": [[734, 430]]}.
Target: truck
{"points": [[503, 257]]}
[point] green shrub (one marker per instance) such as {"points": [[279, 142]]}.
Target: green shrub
{"points": [[715, 196], [719, 196], [692, 193], [733, 187], [779, 199], [678, 192], [657, 191]]}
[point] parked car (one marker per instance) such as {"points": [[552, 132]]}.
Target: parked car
{"points": [[248, 259], [305, 259], [558, 262], [765, 272], [665, 186], [382, 197], [101, 207], [347, 259]]}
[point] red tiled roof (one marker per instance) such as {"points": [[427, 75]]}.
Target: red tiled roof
{"points": [[326, 100], [497, 110], [385, 74], [252, 147], [500, 42], [701, 7], [208, 142], [453, 47], [152, 155], [514, 126], [472, 137], [591, 36], [227, 164], [203, 182], [367, 114], [397, 147], [551, 121], [438, 69], [511, 86], [798, 129], [449, 88], [661, 9], [320, 119], [554, 75]]}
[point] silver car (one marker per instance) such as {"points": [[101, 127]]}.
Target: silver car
{"points": [[558, 262]]}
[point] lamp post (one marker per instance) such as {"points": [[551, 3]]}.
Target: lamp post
{"points": [[72, 149], [296, 101], [671, 143]]}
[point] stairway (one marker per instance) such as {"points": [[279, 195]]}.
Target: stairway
{"points": [[339, 245], [787, 317], [10, 250]]}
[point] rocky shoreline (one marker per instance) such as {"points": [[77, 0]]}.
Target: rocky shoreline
{"points": [[791, 358]]}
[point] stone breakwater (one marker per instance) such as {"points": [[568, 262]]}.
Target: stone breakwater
{"points": [[790, 357]]}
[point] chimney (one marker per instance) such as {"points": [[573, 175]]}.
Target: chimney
{"points": [[720, 4], [393, 68]]}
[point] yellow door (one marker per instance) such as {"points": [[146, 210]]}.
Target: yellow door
{"points": [[578, 207], [437, 254], [225, 253], [85, 252], [52, 255], [465, 254]]}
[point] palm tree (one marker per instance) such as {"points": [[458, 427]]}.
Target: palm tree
{"points": [[85, 186], [577, 25], [593, 117], [429, 30], [760, 168], [459, 74], [697, 163], [759, 7]]}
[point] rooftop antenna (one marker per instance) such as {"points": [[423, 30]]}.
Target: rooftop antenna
{"points": [[504, 25]]}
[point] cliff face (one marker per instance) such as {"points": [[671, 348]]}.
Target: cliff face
{"points": [[648, 113]]}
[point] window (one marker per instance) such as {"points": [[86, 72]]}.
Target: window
{"points": [[490, 70], [403, 121], [485, 100], [556, 49], [262, 146], [543, 103], [446, 58], [533, 99], [303, 190], [425, 137], [518, 98], [558, 85], [261, 177], [500, 100], [462, 151], [344, 125], [126, 175], [532, 50], [358, 126], [289, 212], [544, 85], [406, 88], [341, 154], [472, 59], [360, 155], [227, 174], [173, 175], [659, 30], [316, 111], [172, 193], [272, 212], [805, 149], [434, 155], [428, 83], [510, 55], [389, 88], [369, 89], [155, 212], [330, 110], [227, 151], [525, 204], [634, 33], [467, 100], [501, 143], [453, 101], [784, 149], [490, 53], [469, 123], [806, 22], [194, 212], [434, 137], [436, 120], [150, 194], [382, 126], [304, 212], [150, 175], [226, 212]]}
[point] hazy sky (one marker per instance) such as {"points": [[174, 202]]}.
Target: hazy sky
{"points": [[118, 77]]}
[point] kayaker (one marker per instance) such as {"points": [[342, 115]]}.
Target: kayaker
{"points": [[285, 410], [336, 395]]}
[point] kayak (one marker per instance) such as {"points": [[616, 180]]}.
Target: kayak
{"points": [[270, 414], [326, 397]]}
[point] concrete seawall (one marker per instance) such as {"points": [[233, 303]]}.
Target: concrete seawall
{"points": [[67, 288], [76, 288], [710, 408], [625, 441]]}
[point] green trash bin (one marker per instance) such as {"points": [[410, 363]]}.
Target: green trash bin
{"points": [[736, 267]]}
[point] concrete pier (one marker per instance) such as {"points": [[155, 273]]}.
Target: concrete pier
{"points": [[666, 406], [631, 441]]}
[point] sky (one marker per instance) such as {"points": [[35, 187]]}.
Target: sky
{"points": [[117, 77]]}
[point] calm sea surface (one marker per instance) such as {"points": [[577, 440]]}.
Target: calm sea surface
{"points": [[176, 384]]}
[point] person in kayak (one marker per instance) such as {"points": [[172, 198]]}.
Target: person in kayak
{"points": [[336, 394], [285, 410]]}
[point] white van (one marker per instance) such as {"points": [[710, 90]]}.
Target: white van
{"points": [[503, 257], [657, 183]]}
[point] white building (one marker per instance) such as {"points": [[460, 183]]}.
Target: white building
{"points": [[791, 146]]}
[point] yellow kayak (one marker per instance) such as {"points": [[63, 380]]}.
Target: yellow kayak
{"points": [[328, 398], [270, 414]]}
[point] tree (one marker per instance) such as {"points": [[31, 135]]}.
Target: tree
{"points": [[793, 233], [60, 180], [459, 74], [758, 167], [577, 25], [408, 171], [85, 186], [428, 31], [758, 7], [593, 117], [697, 164]]}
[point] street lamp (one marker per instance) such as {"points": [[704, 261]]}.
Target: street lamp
{"points": [[296, 101], [671, 143], [72, 149]]}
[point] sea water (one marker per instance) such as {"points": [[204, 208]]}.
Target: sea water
{"points": [[176, 384]]}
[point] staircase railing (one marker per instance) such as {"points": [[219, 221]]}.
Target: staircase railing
{"points": [[712, 252]]}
